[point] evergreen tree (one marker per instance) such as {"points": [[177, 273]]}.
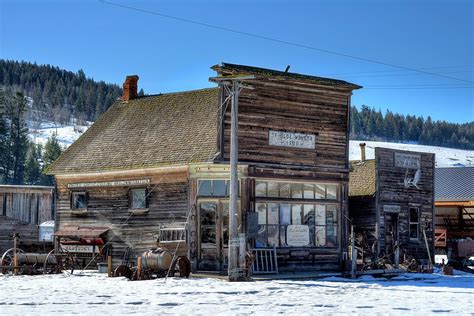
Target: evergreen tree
{"points": [[52, 150], [32, 165]]}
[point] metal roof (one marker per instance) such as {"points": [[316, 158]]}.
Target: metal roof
{"points": [[454, 184]]}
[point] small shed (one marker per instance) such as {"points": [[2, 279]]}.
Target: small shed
{"points": [[391, 207], [454, 209]]}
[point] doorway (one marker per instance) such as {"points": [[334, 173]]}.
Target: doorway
{"points": [[213, 234], [391, 234]]}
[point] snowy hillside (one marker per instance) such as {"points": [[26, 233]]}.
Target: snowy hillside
{"points": [[445, 157], [67, 134]]}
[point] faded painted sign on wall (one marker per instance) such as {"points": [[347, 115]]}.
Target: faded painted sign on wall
{"points": [[295, 140]]}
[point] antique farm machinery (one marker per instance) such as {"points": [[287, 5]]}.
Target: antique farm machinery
{"points": [[155, 263], [17, 262]]}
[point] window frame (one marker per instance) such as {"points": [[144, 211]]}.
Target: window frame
{"points": [[86, 201], [410, 223], [130, 199]]}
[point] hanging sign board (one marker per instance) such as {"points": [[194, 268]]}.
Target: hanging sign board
{"points": [[79, 248], [392, 208], [407, 161], [294, 140], [123, 183], [297, 235]]}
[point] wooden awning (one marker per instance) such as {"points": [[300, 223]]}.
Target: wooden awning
{"points": [[82, 231]]}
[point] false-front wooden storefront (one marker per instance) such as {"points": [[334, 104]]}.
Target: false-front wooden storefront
{"points": [[155, 170]]}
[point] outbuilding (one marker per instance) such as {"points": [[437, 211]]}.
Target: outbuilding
{"points": [[154, 170]]}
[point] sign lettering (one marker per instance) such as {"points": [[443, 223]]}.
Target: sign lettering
{"points": [[297, 235], [124, 183], [392, 208], [407, 161], [79, 248], [294, 140]]}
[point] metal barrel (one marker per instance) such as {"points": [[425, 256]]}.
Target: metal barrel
{"points": [[157, 259], [32, 258]]}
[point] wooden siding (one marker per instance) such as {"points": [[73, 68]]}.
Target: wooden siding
{"points": [[392, 191], [322, 112], [109, 206]]}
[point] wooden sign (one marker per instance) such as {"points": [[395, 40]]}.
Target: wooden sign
{"points": [[392, 208], [297, 235], [294, 140], [123, 183], [407, 160], [79, 248]]}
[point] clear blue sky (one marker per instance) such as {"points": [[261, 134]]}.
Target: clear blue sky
{"points": [[109, 42]]}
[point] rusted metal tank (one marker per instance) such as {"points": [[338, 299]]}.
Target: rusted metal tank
{"points": [[157, 259]]}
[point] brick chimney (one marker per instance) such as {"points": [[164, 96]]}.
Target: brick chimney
{"points": [[362, 151], [130, 88]]}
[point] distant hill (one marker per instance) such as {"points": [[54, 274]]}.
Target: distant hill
{"points": [[58, 94], [369, 124]]}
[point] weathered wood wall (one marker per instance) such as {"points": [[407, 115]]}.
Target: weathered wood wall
{"points": [[29, 204], [392, 191], [109, 206], [291, 107]]}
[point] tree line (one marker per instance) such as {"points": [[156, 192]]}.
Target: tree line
{"points": [[369, 124], [57, 93], [21, 160]]}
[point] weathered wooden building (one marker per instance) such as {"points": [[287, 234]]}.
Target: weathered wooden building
{"points": [[154, 170], [391, 206], [454, 210], [22, 209]]}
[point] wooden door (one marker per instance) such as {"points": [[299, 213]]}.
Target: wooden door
{"points": [[213, 235], [391, 234]]}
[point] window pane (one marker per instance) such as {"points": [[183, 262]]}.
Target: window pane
{"points": [[204, 188], [297, 190], [331, 236], [261, 240], [272, 189], [320, 239], [272, 233], [79, 200], [208, 213], [283, 236], [138, 198], [308, 192], [285, 190], [331, 190], [262, 213], [331, 214], [285, 214], [218, 188], [296, 214], [308, 214], [413, 215], [320, 215], [261, 188], [272, 214], [320, 191], [414, 231], [208, 236]]}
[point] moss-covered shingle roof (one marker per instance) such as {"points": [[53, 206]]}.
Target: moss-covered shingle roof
{"points": [[147, 132], [233, 69], [362, 178]]}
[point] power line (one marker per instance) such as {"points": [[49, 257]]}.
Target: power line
{"points": [[415, 88], [405, 74], [226, 29], [380, 71]]}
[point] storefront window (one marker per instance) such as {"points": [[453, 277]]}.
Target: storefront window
{"points": [[214, 188]]}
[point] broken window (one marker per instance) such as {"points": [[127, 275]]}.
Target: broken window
{"points": [[78, 201]]}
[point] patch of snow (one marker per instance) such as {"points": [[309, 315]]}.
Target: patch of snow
{"points": [[93, 293], [66, 134], [445, 157]]}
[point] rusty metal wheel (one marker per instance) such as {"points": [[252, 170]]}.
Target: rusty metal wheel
{"points": [[123, 271], [180, 267], [7, 259]]}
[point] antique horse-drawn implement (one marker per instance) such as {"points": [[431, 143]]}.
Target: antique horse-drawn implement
{"points": [[18, 262], [155, 263]]}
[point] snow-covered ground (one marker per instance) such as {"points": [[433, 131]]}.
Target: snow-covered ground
{"points": [[445, 157], [95, 294]]}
